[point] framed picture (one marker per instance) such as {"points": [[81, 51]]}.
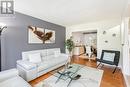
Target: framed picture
{"points": [[50, 36], [40, 35]]}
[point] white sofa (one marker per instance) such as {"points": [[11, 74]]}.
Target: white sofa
{"points": [[50, 60], [10, 78]]}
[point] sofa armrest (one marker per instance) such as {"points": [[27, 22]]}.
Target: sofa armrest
{"points": [[4, 75], [26, 64], [65, 55]]}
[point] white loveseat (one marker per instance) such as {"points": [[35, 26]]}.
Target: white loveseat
{"points": [[50, 60], [11, 78]]}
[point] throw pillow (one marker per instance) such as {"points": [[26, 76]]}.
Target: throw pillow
{"points": [[34, 58], [109, 56]]}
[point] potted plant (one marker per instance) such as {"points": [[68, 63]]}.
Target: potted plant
{"points": [[69, 45]]}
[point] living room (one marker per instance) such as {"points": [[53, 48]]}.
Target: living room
{"points": [[40, 46]]}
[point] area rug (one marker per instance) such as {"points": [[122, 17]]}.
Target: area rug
{"points": [[90, 77]]}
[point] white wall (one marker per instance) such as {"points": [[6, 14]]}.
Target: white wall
{"points": [[125, 28], [104, 25], [114, 43], [112, 26], [125, 47]]}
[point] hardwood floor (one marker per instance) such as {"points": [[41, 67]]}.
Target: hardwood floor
{"points": [[108, 79]]}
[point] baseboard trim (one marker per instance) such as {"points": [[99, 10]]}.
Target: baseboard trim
{"points": [[127, 83]]}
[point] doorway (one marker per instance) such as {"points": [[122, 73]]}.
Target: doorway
{"points": [[85, 44]]}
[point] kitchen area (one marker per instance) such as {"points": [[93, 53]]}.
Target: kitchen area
{"points": [[85, 42]]}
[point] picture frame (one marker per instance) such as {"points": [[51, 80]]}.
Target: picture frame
{"points": [[38, 35]]}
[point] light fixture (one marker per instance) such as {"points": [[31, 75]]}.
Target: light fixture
{"points": [[114, 35], [104, 32], [2, 26]]}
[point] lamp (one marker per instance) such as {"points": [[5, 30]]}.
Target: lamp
{"points": [[2, 26]]}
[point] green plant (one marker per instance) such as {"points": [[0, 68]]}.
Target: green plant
{"points": [[69, 45]]}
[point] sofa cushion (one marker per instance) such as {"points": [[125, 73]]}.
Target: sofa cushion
{"points": [[53, 61], [43, 53], [25, 54], [60, 59], [42, 66], [14, 82], [48, 57], [51, 51], [45, 66], [108, 56], [35, 58], [56, 53]]}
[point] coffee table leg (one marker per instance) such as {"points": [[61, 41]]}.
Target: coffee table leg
{"points": [[58, 78], [69, 83]]}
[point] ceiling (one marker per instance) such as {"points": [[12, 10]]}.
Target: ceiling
{"points": [[71, 12]]}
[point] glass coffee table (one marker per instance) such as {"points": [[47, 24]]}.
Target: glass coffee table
{"points": [[67, 72]]}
